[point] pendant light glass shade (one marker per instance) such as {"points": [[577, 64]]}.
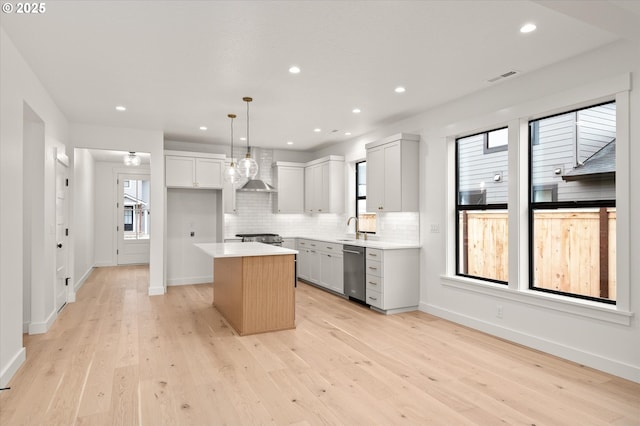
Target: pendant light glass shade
{"points": [[131, 159], [231, 172], [247, 166]]}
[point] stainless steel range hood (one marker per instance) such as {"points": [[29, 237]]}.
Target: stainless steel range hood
{"points": [[257, 185]]}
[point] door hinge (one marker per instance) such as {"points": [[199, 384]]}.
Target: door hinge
{"points": [[66, 281], [66, 232], [117, 181], [117, 251], [66, 182], [117, 228], [117, 205]]}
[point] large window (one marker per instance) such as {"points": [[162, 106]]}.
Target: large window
{"points": [[366, 220], [572, 214], [481, 206]]}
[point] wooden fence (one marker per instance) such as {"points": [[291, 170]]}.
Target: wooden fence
{"points": [[574, 251]]}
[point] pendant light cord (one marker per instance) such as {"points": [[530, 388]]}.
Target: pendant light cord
{"points": [[247, 100]]}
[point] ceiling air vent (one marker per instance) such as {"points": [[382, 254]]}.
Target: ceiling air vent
{"points": [[501, 76]]}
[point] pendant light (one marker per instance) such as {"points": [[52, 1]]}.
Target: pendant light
{"points": [[231, 172], [131, 159], [247, 166]]}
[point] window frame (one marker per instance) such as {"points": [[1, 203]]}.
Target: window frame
{"points": [[534, 206], [360, 197], [473, 207]]}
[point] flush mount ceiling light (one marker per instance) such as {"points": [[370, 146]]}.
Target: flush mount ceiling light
{"points": [[399, 89], [247, 166], [231, 172], [131, 159], [121, 108], [527, 28], [294, 69]]}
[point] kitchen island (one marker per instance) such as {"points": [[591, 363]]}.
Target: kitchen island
{"points": [[253, 285]]}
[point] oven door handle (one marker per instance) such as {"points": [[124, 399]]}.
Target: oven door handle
{"points": [[351, 251]]}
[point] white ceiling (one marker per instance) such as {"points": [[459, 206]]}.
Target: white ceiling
{"points": [[179, 65]]}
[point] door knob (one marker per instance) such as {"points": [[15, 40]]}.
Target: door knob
{"points": [[59, 245]]}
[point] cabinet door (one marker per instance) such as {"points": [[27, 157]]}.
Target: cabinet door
{"points": [[314, 266], [309, 190], [179, 171], [392, 178], [208, 173], [291, 194], [322, 184], [337, 270], [375, 179], [303, 263], [326, 275]]}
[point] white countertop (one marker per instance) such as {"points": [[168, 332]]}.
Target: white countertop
{"points": [[383, 245], [217, 250]]}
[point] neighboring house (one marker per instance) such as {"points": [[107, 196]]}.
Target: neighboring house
{"points": [[136, 209]]}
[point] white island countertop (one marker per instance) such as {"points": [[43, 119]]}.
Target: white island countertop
{"points": [[217, 250]]}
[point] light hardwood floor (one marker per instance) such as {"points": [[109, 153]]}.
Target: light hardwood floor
{"points": [[118, 356]]}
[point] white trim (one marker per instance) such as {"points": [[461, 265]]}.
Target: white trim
{"points": [[103, 264], [156, 291], [592, 360], [12, 367], [190, 280], [565, 304], [43, 327], [82, 279]]}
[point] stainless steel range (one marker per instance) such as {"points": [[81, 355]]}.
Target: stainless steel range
{"points": [[273, 239]]}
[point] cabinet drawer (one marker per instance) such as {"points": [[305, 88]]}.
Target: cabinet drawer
{"points": [[374, 298], [374, 254], [374, 268], [330, 247], [374, 283]]}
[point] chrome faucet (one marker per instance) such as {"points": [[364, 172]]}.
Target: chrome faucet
{"points": [[357, 228]]}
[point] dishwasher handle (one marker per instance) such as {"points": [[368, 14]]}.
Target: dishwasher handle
{"points": [[351, 251]]}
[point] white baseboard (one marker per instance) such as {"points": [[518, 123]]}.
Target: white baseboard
{"points": [[12, 367], [611, 366], [43, 327], [25, 327], [190, 280], [103, 264], [84, 277], [156, 291]]}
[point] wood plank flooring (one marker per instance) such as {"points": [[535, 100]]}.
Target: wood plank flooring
{"points": [[118, 356]]}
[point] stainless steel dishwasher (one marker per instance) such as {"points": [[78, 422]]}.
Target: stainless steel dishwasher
{"points": [[354, 272]]}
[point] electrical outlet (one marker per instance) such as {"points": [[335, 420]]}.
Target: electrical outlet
{"points": [[499, 311], [435, 228]]}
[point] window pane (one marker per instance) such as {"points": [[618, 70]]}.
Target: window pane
{"points": [[574, 251], [136, 210], [573, 192], [498, 138], [482, 178], [362, 179], [483, 245], [576, 152]]}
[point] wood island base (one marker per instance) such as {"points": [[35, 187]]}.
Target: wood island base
{"points": [[255, 294]]}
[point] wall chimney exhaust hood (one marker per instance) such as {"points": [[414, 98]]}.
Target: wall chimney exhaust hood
{"points": [[256, 185]]}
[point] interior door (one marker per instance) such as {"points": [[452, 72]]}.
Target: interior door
{"points": [[62, 237], [133, 209]]}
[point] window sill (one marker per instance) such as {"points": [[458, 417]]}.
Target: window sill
{"points": [[584, 308]]}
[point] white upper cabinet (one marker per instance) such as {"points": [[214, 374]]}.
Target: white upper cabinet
{"points": [[324, 185], [289, 181], [193, 170], [392, 174]]}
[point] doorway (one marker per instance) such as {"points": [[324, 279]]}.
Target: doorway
{"points": [[62, 230], [133, 210]]}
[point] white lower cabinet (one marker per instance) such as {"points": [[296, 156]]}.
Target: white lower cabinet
{"points": [[320, 263], [393, 279]]}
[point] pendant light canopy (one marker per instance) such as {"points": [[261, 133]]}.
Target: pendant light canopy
{"points": [[248, 167], [131, 159], [231, 172]]}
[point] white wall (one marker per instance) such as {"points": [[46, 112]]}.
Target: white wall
{"points": [[20, 86], [190, 210], [83, 214], [121, 139]]}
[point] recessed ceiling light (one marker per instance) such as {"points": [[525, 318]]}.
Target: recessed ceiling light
{"points": [[294, 69], [121, 108], [203, 127], [527, 28], [317, 130], [347, 133], [399, 89], [243, 139], [356, 111], [289, 143]]}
